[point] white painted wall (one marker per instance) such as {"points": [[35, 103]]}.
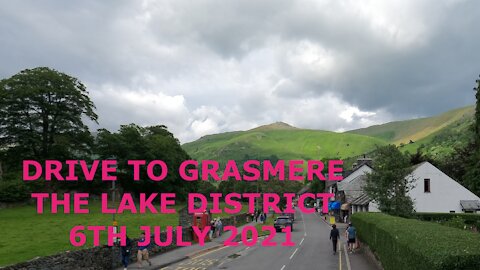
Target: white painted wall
{"points": [[373, 207], [445, 193]]}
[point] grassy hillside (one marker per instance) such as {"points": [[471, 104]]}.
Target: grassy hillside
{"points": [[445, 141], [282, 140], [416, 129]]}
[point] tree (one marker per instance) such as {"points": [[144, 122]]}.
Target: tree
{"points": [[471, 179], [477, 112], [389, 181], [133, 142], [41, 116]]}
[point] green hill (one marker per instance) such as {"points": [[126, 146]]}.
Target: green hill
{"points": [[439, 135], [416, 129], [281, 140], [443, 142]]}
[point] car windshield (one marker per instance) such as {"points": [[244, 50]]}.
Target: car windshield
{"points": [[282, 220]]}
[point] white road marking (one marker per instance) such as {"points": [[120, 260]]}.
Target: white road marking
{"points": [[293, 254], [339, 256], [346, 257], [304, 227], [301, 241], [215, 250], [283, 267]]}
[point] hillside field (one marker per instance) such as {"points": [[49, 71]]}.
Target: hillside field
{"points": [[416, 129], [287, 143]]}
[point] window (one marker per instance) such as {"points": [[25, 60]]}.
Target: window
{"points": [[426, 185], [452, 211]]}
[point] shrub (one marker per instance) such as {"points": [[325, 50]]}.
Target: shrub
{"points": [[13, 191], [402, 243], [472, 220], [469, 218], [456, 222]]}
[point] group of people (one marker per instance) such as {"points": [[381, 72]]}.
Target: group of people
{"points": [[259, 215], [350, 235], [216, 228], [142, 252]]}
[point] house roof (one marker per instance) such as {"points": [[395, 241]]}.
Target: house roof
{"points": [[470, 205], [361, 200], [354, 188], [356, 183], [360, 164]]}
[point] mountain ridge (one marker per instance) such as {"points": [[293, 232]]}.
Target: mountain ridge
{"points": [[284, 141]]}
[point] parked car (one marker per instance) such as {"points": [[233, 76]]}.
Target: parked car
{"points": [[282, 222], [290, 215]]}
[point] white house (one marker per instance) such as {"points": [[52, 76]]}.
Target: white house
{"points": [[351, 188], [362, 169], [353, 195], [434, 191]]}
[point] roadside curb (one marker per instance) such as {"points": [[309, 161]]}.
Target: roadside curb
{"points": [[156, 267]]}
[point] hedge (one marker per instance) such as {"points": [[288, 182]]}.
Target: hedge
{"points": [[402, 243], [471, 219]]}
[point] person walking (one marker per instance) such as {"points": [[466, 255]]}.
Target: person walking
{"points": [[264, 217], [334, 236], [261, 218], [126, 252], [352, 237], [142, 253], [219, 227], [212, 229]]}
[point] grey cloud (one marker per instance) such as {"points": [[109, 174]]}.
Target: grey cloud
{"points": [[398, 59]]}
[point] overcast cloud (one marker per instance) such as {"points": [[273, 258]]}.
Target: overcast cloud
{"points": [[205, 66]]}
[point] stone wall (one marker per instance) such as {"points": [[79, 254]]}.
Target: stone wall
{"points": [[103, 258], [97, 258]]}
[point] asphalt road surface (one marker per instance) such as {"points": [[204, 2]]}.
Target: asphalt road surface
{"points": [[312, 250]]}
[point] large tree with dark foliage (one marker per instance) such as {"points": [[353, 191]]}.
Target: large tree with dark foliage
{"points": [[41, 116], [133, 142], [471, 179]]}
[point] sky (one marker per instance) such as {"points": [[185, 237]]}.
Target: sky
{"points": [[209, 66]]}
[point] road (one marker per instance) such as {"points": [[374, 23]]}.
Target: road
{"points": [[312, 250]]}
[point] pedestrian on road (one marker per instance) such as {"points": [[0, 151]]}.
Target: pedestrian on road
{"points": [[126, 253], [212, 229], [219, 227], [142, 253], [261, 218], [334, 236], [264, 217], [352, 237]]}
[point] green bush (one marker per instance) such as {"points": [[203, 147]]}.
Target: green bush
{"points": [[13, 191], [456, 222], [470, 219], [402, 243]]}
